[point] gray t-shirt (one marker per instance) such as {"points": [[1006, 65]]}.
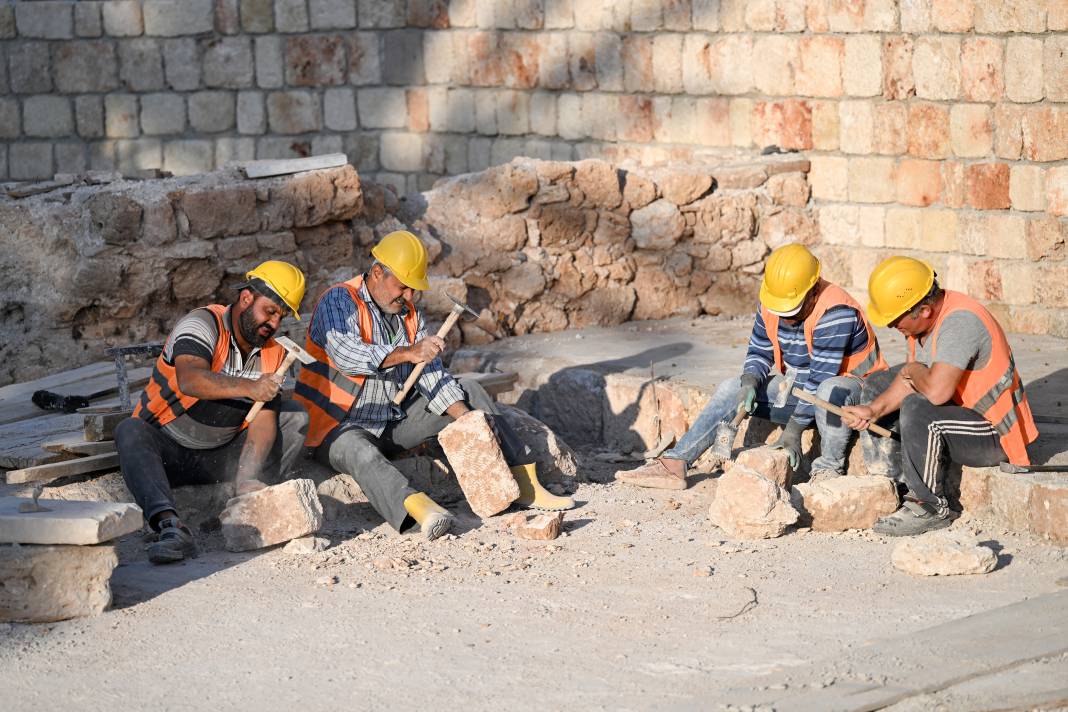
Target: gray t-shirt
{"points": [[962, 341]]}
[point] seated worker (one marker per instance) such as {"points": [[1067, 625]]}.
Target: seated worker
{"points": [[189, 426], [814, 336], [368, 337], [958, 397]]}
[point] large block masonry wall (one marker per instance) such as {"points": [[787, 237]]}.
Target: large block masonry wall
{"points": [[934, 127]]}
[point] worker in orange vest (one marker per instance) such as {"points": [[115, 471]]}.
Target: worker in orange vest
{"points": [[189, 425], [958, 398]]}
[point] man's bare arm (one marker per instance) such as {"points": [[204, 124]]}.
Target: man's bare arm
{"points": [[195, 378], [258, 442]]}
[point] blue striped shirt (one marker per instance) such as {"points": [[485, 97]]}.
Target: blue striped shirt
{"points": [[839, 333], [335, 326]]}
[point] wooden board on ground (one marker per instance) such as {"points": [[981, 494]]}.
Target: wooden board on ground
{"points": [[494, 383], [18, 406], [76, 445], [57, 379], [67, 468], [102, 427], [20, 442], [263, 169]]}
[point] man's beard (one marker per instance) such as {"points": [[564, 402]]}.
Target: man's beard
{"points": [[250, 330]]}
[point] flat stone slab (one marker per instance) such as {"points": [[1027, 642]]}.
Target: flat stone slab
{"points": [[67, 522]]}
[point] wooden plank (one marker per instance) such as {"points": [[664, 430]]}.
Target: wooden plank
{"points": [[27, 189], [102, 427], [21, 407], [493, 383], [57, 379], [75, 444], [263, 169], [20, 443], [68, 468]]}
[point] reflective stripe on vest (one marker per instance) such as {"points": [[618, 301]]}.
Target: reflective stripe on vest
{"points": [[162, 401], [995, 391], [864, 362], [325, 391]]}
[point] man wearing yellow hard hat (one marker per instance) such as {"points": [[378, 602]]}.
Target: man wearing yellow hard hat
{"points": [[368, 336], [189, 425], [807, 333], [958, 398]]}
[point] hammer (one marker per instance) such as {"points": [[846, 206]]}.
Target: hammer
{"points": [[295, 352], [457, 309], [1027, 469]]}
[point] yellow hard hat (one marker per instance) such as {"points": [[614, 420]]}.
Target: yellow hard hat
{"points": [[896, 285], [405, 256], [791, 271], [283, 279]]}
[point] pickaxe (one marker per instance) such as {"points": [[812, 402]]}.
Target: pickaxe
{"points": [[457, 309], [295, 352]]}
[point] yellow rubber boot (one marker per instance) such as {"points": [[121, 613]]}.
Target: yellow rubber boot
{"points": [[532, 494], [433, 519]]}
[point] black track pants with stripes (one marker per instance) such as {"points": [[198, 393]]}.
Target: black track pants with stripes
{"points": [[932, 436]]}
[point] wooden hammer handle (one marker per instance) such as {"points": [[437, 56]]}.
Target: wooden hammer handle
{"points": [[831, 407], [418, 370], [258, 405]]}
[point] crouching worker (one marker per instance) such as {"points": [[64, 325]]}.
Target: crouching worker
{"points": [[189, 426], [958, 398], [367, 337], [807, 333]]}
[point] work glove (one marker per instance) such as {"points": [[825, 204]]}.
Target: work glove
{"points": [[747, 393], [790, 441]]}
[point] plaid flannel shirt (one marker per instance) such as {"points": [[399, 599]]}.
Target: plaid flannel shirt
{"points": [[335, 326]]}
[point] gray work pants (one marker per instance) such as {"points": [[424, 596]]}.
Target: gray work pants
{"points": [[356, 452]]}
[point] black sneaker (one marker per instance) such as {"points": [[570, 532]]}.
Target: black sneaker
{"points": [[913, 518], [175, 543]]}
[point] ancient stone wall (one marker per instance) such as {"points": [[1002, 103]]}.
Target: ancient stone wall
{"points": [[534, 245], [934, 127]]}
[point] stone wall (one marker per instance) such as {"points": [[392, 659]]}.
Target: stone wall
{"points": [[934, 127], [534, 245]]}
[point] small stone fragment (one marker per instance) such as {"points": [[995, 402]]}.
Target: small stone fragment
{"points": [[475, 456], [943, 553], [271, 516], [540, 527], [306, 545]]}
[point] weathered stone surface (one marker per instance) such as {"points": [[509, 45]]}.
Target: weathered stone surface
{"points": [[556, 460], [271, 516], [943, 553], [337, 495], [657, 226], [54, 583], [475, 456], [538, 527], [306, 545], [750, 506], [847, 502], [772, 464], [683, 188], [67, 522]]}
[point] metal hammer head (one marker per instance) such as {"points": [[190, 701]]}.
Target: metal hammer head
{"points": [[291, 346], [460, 306]]}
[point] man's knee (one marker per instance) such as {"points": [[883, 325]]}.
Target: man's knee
{"points": [[131, 433], [293, 418], [477, 397], [728, 386], [915, 410], [838, 390]]}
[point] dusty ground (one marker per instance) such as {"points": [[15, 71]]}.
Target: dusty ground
{"points": [[640, 604]]}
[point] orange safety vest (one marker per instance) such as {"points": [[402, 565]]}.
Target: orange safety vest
{"points": [[864, 362], [162, 401], [995, 391], [325, 391]]}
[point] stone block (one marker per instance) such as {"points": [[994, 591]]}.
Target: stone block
{"points": [[938, 230], [382, 108], [120, 115], [971, 128], [657, 226], [928, 131], [80, 67], [88, 116], [871, 180], [936, 67], [257, 16], [1055, 67], [45, 20], [1000, 16], [30, 160], [857, 125], [401, 151], [608, 61], [251, 113], [1057, 191], [1024, 79], [174, 18], [982, 73], [188, 157], [181, 64], [667, 58], [890, 128], [777, 69], [87, 22], [269, 62], [211, 111], [339, 109], [825, 125], [1027, 188], [536, 527], [943, 553], [122, 18], [773, 465], [987, 186], [291, 15], [786, 124], [271, 516], [54, 583], [862, 66], [829, 177], [141, 64], [162, 114], [47, 116], [512, 112], [750, 506], [1044, 133], [331, 14], [919, 183], [819, 70], [1006, 236], [847, 502], [382, 13], [228, 63], [898, 80], [722, 65], [66, 522], [293, 112], [1049, 511], [475, 456], [402, 58], [315, 60], [70, 157]]}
